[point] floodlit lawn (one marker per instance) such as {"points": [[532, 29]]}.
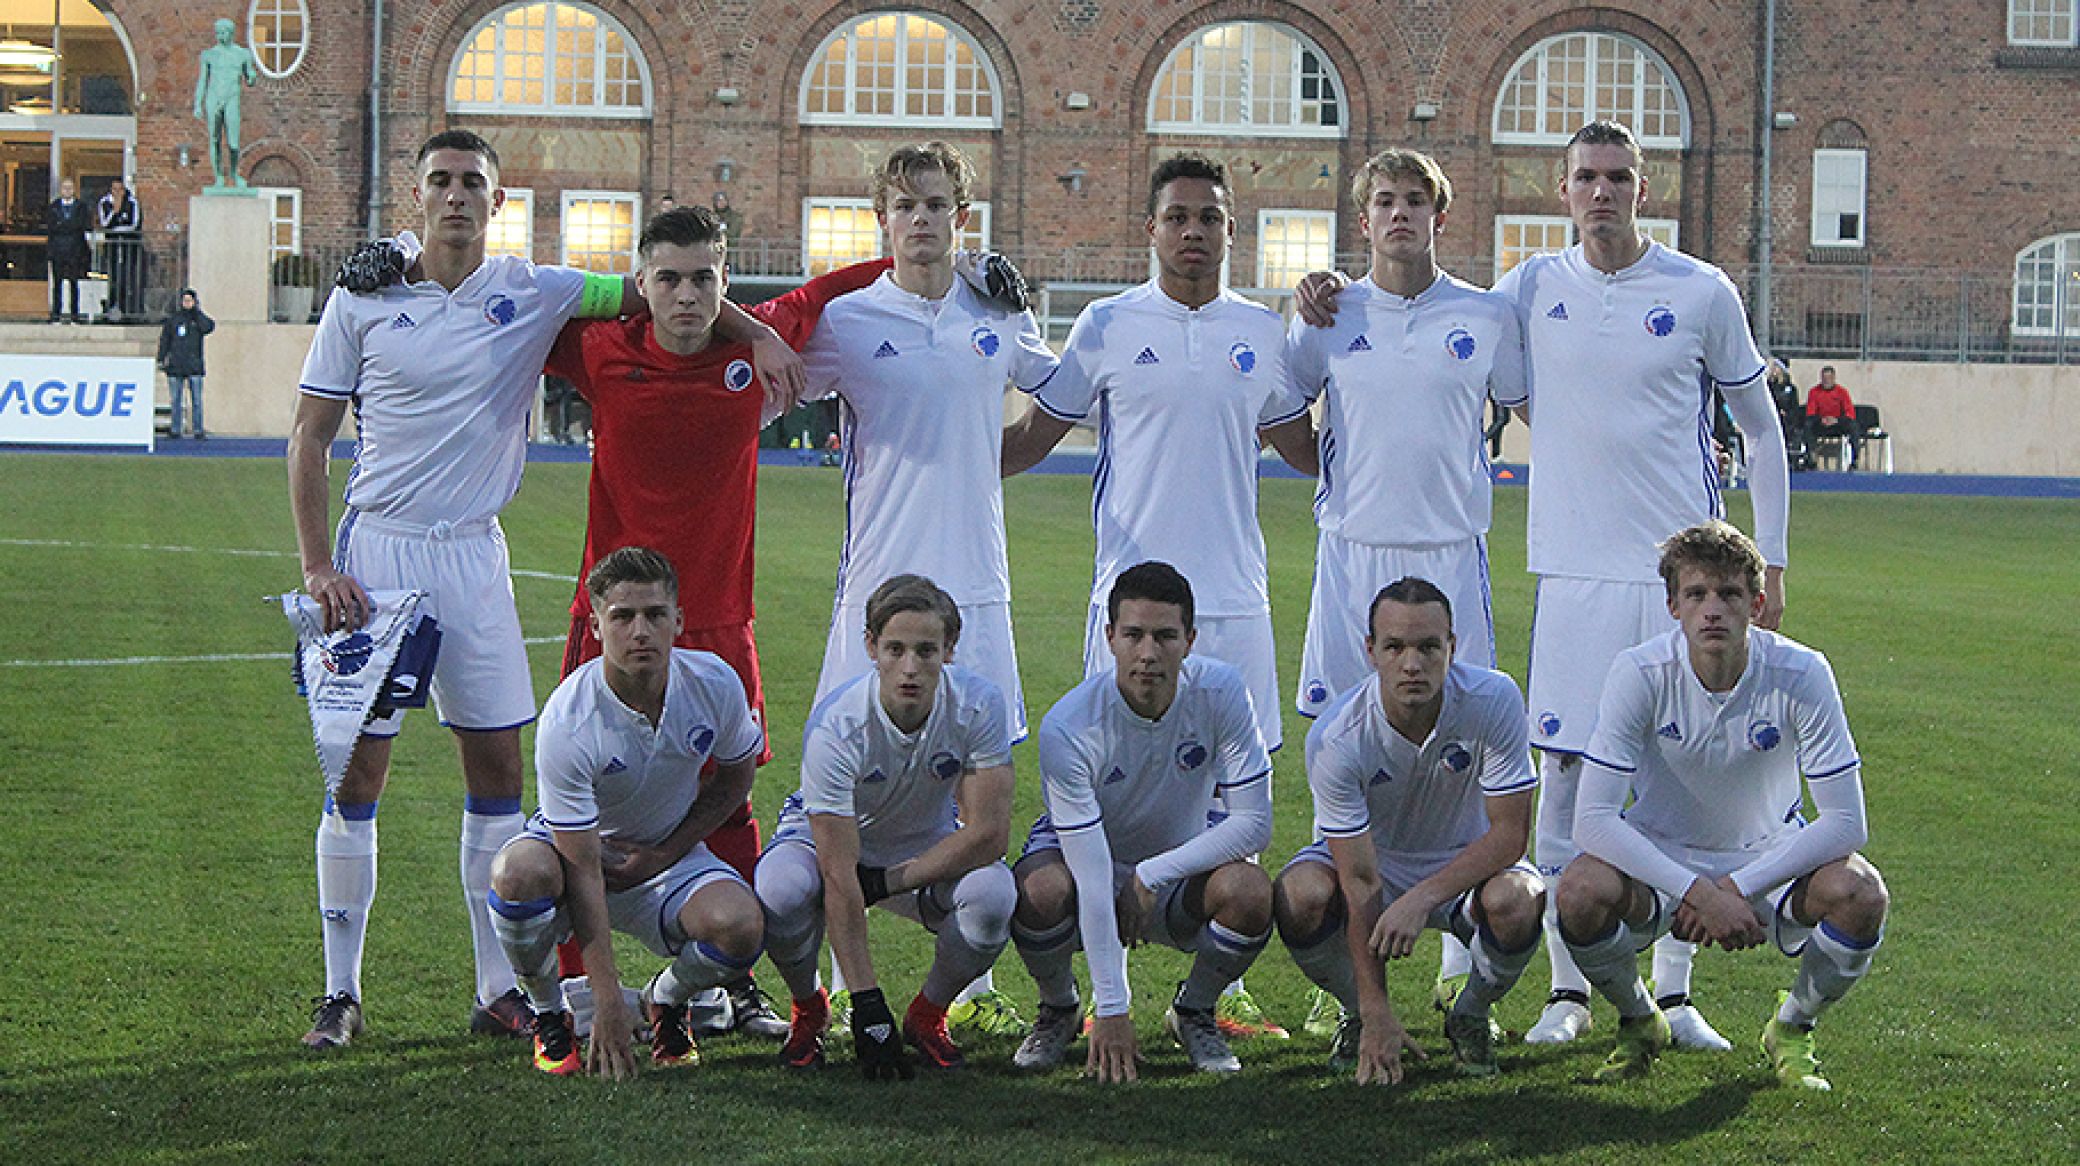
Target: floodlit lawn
{"points": [[161, 940]]}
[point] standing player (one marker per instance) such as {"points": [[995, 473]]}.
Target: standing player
{"points": [[675, 468], [905, 803], [1422, 786], [1414, 357], [1186, 378], [639, 757], [1626, 340], [1701, 739], [1131, 764], [919, 362], [441, 372]]}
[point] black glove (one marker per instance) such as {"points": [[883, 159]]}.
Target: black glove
{"points": [[876, 1041], [371, 267], [1004, 286], [873, 883]]}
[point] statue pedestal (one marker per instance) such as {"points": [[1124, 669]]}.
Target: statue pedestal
{"points": [[227, 257]]}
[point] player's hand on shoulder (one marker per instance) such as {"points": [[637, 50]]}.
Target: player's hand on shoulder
{"points": [[340, 597], [876, 1041], [1114, 1052], [1316, 296], [780, 372], [994, 278], [375, 265]]}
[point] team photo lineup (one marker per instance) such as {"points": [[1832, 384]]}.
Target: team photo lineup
{"points": [[1642, 799]]}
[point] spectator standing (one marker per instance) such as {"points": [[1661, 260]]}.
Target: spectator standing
{"points": [[122, 228], [65, 231], [180, 356]]}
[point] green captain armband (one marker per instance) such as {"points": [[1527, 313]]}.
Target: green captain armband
{"points": [[602, 296]]}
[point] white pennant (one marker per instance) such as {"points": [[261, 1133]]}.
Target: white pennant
{"points": [[343, 672]]}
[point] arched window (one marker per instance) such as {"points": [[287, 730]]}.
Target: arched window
{"points": [[1247, 79], [2047, 287], [901, 68], [1565, 81], [280, 32], [552, 58]]}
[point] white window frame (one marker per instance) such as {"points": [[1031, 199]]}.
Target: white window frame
{"points": [[1596, 55], [548, 106], [522, 198], [1266, 217], [1845, 191], [1667, 232], [973, 237], [272, 194], [2061, 262], [944, 72], [635, 204], [265, 47], [1295, 126], [2025, 17]]}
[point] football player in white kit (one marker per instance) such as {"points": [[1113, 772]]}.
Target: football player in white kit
{"points": [[441, 371], [920, 361], [1626, 341], [1406, 371], [1186, 377], [905, 804], [617, 841], [1423, 790], [1690, 814], [1131, 762]]}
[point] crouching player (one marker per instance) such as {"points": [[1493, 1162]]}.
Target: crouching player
{"points": [[617, 838], [1423, 792], [1707, 730], [905, 804], [1129, 851]]}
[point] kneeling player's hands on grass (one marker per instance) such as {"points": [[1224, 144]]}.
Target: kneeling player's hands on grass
{"points": [[875, 1039], [339, 596], [1316, 297], [611, 1054], [1400, 925], [1114, 1053], [1380, 1046], [629, 864], [780, 371]]}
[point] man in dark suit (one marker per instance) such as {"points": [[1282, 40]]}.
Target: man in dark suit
{"points": [[65, 229]]}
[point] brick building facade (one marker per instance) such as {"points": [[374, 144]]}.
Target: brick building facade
{"points": [[1940, 134]]}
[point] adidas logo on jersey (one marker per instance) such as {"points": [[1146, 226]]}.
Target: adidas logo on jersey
{"points": [[1115, 776], [885, 351], [1671, 731], [614, 765], [403, 321], [1359, 345], [1148, 356], [875, 775], [1559, 311], [1380, 778]]}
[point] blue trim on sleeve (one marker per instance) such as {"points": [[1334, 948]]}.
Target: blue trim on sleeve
{"points": [[1835, 772], [1034, 391], [1250, 780], [1744, 380], [567, 827], [1610, 765], [328, 394], [1041, 404], [1061, 829], [1527, 783], [1360, 832]]}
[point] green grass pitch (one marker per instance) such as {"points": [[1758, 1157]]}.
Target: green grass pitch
{"points": [[160, 942]]}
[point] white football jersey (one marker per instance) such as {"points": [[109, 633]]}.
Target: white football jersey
{"points": [[600, 763], [899, 787], [1720, 772], [443, 384], [1420, 801], [1621, 372], [1403, 453], [1180, 394], [1151, 783], [922, 384]]}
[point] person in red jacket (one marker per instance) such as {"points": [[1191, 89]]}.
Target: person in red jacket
{"points": [[1830, 413]]}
